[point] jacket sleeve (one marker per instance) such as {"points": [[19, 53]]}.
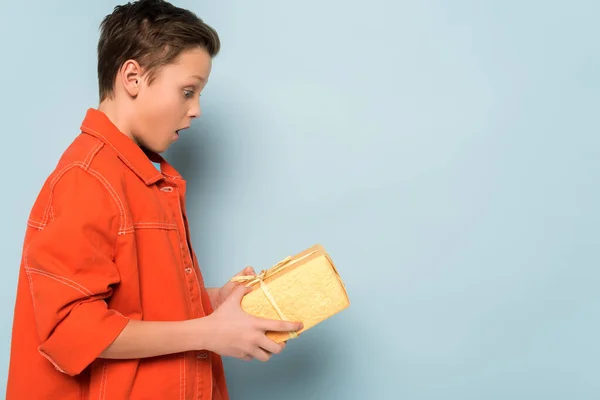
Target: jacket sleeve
{"points": [[69, 264]]}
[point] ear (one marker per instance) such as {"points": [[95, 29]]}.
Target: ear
{"points": [[130, 76]]}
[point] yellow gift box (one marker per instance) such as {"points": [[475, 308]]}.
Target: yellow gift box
{"points": [[302, 288]]}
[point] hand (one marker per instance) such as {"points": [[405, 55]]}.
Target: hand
{"points": [[235, 333], [221, 294]]}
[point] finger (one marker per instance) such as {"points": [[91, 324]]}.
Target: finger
{"points": [[246, 271], [270, 345], [247, 357], [280, 326], [239, 292], [261, 355]]}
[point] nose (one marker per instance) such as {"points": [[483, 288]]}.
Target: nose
{"points": [[195, 111]]}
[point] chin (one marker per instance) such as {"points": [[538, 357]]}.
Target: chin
{"points": [[160, 150], [155, 148]]}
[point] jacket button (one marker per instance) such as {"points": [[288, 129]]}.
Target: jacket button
{"points": [[202, 356], [188, 270]]}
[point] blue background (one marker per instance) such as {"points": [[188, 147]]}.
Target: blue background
{"points": [[445, 153]]}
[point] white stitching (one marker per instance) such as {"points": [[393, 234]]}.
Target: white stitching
{"points": [[31, 288], [51, 360], [41, 272], [93, 152], [119, 153], [154, 225], [106, 185], [173, 176], [63, 171], [127, 230], [51, 195], [35, 224], [147, 225], [62, 279], [103, 380], [114, 194], [181, 389], [184, 367]]}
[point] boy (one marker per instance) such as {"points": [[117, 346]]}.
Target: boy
{"points": [[111, 303]]}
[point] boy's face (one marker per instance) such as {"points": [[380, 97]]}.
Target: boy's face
{"points": [[171, 101]]}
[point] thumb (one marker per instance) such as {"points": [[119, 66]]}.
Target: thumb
{"points": [[239, 292], [246, 271]]}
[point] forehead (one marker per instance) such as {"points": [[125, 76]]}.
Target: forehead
{"points": [[192, 63]]}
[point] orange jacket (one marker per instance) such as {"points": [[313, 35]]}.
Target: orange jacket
{"points": [[107, 241]]}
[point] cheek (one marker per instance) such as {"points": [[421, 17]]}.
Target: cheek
{"points": [[159, 109]]}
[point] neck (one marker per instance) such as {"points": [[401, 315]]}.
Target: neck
{"points": [[118, 115]]}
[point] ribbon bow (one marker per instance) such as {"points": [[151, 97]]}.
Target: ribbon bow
{"points": [[250, 280]]}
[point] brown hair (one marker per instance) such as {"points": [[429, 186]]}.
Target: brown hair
{"points": [[152, 32]]}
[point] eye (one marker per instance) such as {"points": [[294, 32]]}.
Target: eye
{"points": [[188, 94]]}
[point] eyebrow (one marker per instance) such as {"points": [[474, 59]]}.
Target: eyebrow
{"points": [[198, 77]]}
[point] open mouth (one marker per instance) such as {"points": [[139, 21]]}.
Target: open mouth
{"points": [[178, 131]]}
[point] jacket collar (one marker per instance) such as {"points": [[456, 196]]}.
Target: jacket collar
{"points": [[139, 160]]}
